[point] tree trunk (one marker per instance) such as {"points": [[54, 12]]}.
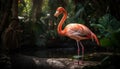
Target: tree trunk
{"points": [[5, 15], [36, 10], [11, 34], [115, 8]]}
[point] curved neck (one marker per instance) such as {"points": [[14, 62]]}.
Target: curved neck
{"points": [[59, 29]]}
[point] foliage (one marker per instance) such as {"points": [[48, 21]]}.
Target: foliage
{"points": [[89, 12], [109, 29], [45, 6], [24, 7]]}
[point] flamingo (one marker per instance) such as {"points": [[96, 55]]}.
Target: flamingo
{"points": [[74, 31]]}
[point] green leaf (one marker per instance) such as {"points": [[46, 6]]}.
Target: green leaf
{"points": [[105, 42]]}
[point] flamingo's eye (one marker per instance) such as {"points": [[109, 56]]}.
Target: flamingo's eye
{"points": [[60, 11]]}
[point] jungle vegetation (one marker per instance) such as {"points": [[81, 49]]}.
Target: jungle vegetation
{"points": [[31, 22]]}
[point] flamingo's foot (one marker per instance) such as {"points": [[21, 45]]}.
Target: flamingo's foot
{"points": [[78, 62]]}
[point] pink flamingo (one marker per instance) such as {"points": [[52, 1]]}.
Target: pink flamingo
{"points": [[74, 31]]}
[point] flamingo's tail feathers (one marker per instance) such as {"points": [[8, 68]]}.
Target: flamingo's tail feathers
{"points": [[94, 37]]}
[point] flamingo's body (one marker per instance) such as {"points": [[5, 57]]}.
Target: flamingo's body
{"points": [[74, 31]]}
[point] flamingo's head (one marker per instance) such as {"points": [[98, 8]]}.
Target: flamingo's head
{"points": [[59, 11]]}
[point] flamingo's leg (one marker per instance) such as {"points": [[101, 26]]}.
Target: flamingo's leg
{"points": [[78, 51], [82, 51]]}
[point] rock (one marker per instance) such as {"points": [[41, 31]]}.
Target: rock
{"points": [[55, 63]]}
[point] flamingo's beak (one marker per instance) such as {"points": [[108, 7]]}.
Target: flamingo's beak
{"points": [[56, 14]]}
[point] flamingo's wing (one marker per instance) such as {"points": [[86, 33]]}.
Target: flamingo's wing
{"points": [[76, 31]]}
